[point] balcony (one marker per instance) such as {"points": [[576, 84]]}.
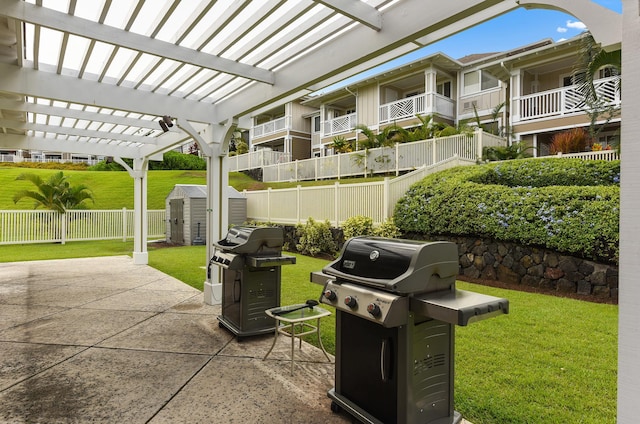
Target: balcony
{"points": [[340, 125], [564, 101], [270, 127], [421, 104]]}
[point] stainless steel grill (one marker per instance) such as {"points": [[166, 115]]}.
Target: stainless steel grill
{"points": [[396, 308], [250, 258]]}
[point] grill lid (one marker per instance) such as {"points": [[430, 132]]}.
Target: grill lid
{"points": [[248, 239], [395, 265]]}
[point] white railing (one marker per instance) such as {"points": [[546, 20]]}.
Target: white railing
{"points": [[566, 100], [258, 159], [44, 226], [607, 155], [340, 125], [416, 105], [270, 127], [383, 160], [337, 202], [15, 158]]}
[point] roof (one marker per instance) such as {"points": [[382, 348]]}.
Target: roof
{"points": [[96, 77], [194, 191]]}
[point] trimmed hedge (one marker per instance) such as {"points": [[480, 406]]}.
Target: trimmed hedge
{"points": [[568, 205]]}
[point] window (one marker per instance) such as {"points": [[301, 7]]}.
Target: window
{"points": [[607, 72], [316, 124], [444, 89], [477, 81]]}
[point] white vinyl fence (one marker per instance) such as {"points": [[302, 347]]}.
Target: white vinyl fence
{"points": [[338, 202], [43, 226], [383, 160]]}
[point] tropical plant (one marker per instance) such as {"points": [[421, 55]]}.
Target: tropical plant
{"points": [[571, 141], [341, 145], [383, 138], [55, 193], [598, 103], [518, 150]]}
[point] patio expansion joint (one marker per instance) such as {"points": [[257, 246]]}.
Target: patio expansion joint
{"points": [[167, 401]]}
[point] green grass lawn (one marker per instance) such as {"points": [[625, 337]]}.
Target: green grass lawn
{"points": [[551, 360], [114, 190]]}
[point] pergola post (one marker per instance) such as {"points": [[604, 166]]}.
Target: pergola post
{"points": [[140, 231]]}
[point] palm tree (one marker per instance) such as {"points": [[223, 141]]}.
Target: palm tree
{"points": [[55, 193], [598, 102]]}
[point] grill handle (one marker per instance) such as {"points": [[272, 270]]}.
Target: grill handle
{"points": [[385, 359]]}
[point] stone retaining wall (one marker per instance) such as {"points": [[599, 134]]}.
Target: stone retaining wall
{"points": [[514, 264]]}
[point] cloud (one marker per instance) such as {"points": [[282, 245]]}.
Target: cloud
{"points": [[561, 29], [576, 25]]}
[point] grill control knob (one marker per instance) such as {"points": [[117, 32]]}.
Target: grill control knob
{"points": [[374, 309], [330, 295], [350, 301]]}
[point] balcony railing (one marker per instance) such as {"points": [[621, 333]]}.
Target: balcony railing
{"points": [[340, 125], [426, 103], [566, 100], [271, 127]]}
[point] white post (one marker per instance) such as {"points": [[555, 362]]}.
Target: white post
{"points": [[385, 200], [629, 290], [298, 190], [124, 225], [433, 148], [140, 254], [397, 159], [63, 228], [479, 134], [336, 202]]}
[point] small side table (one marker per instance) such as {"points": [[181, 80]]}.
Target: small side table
{"points": [[295, 324]]}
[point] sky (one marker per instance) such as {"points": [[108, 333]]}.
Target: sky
{"points": [[509, 31]]}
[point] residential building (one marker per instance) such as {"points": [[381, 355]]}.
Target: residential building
{"points": [[528, 94]]}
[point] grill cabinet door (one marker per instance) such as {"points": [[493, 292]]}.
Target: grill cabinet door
{"points": [[363, 345]]}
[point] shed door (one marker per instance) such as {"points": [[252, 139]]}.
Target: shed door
{"points": [[176, 210]]}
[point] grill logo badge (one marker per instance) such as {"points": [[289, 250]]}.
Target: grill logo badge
{"points": [[374, 255]]}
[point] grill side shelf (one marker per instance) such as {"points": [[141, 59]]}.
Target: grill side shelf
{"points": [[459, 307]]}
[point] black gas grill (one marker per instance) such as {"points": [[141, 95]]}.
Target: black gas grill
{"points": [[250, 258], [396, 307]]}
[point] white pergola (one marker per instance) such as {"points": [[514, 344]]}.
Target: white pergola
{"points": [[95, 77]]}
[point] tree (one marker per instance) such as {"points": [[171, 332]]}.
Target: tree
{"points": [[598, 101], [55, 193]]}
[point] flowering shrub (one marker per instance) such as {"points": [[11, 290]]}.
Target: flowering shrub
{"points": [[571, 206]]}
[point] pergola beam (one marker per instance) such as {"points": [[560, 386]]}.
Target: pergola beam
{"points": [[63, 112], [356, 10], [53, 19], [30, 82], [62, 131]]}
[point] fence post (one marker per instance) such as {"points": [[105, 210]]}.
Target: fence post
{"points": [[269, 204], [339, 156], [298, 200], [433, 151], [335, 203], [124, 225], [385, 201], [480, 133], [397, 159], [63, 227]]}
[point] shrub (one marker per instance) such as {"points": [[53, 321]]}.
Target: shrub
{"points": [[387, 229], [571, 141], [563, 213], [357, 226], [170, 160], [315, 238]]}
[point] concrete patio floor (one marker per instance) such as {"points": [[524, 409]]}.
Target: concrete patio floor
{"points": [[104, 340]]}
